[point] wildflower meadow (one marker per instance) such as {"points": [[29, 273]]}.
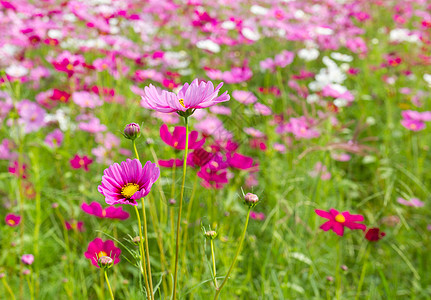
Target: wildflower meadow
{"points": [[228, 149]]}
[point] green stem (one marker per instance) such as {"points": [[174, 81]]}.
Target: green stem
{"points": [[364, 270], [146, 240], [177, 244], [7, 287], [147, 251], [141, 249], [136, 151], [236, 256], [214, 265], [109, 286]]}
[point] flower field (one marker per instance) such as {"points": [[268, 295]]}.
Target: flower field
{"points": [[215, 149]]}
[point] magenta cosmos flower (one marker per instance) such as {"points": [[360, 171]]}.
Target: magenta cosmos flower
{"points": [[190, 97], [178, 138], [110, 212], [98, 248], [337, 221], [125, 183], [12, 220], [78, 162]]}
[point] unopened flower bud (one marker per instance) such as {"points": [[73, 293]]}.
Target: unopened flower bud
{"points": [[330, 278], [136, 240], [26, 272], [210, 234], [251, 200], [172, 201], [105, 262], [344, 268], [132, 131]]}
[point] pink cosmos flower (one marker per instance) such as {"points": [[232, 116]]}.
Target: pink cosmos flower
{"points": [[191, 96], [12, 220], [86, 99], [74, 225], [19, 170], [54, 139], [337, 221], [244, 97], [111, 212], [31, 115], [27, 259], [320, 169], [257, 216], [413, 125], [178, 138], [128, 182], [414, 202], [78, 162], [98, 248]]}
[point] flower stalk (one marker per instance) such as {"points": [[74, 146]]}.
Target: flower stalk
{"points": [[177, 244], [236, 256]]}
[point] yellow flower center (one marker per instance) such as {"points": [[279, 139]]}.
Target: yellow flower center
{"points": [[62, 98], [101, 254], [69, 67], [103, 213], [176, 144], [81, 162], [104, 66], [340, 218], [413, 126], [11, 222], [181, 101], [129, 189]]}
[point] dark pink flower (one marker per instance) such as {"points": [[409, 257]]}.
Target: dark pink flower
{"points": [[178, 138], [111, 212], [98, 248], [128, 182], [170, 163], [337, 221], [374, 234], [78, 162], [19, 170], [12, 220]]}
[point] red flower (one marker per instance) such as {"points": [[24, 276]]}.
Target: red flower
{"points": [[374, 234], [337, 221], [78, 162]]}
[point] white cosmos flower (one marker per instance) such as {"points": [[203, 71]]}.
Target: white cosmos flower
{"points": [[208, 45], [250, 34], [308, 54]]}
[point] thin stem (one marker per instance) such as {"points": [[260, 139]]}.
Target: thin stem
{"points": [[136, 151], [141, 249], [147, 249], [177, 244], [214, 265], [109, 286], [7, 287], [236, 256]]}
